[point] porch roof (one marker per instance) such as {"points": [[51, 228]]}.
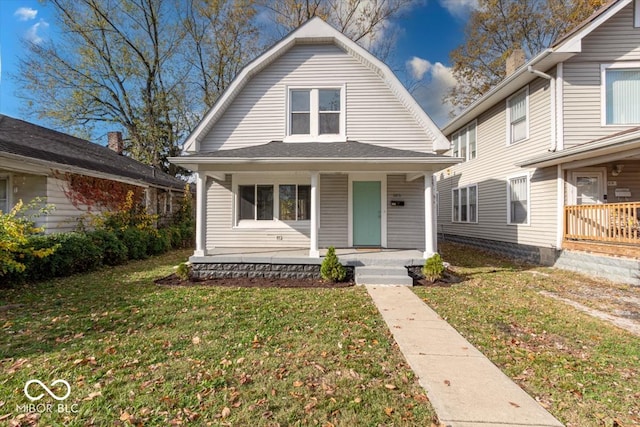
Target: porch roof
{"points": [[618, 146], [278, 152]]}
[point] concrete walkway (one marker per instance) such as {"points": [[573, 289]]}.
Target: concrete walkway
{"points": [[464, 387]]}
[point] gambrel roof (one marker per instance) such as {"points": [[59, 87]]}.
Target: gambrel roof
{"points": [[316, 31]]}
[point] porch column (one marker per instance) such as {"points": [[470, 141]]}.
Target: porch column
{"points": [[201, 195], [430, 245], [313, 244]]}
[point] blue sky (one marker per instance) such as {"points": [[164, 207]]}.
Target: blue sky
{"points": [[427, 33]]}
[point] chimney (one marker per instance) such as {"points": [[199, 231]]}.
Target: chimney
{"points": [[115, 142], [514, 61]]}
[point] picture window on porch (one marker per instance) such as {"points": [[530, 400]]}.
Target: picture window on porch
{"points": [[465, 142], [284, 202], [621, 91], [518, 200], [465, 204], [4, 194], [316, 113], [517, 116]]}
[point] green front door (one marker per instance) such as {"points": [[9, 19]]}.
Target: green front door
{"points": [[366, 213]]}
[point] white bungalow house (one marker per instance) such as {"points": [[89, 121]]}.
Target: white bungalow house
{"points": [[315, 144]]}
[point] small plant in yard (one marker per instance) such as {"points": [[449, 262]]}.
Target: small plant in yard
{"points": [[183, 271], [331, 268], [433, 268]]}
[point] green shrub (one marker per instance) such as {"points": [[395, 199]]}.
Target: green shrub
{"points": [[136, 241], [114, 252], [433, 268], [159, 242], [184, 271], [75, 253], [331, 269]]}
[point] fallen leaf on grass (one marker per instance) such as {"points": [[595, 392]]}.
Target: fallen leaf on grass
{"points": [[390, 386], [388, 411], [92, 396], [298, 383], [225, 412], [195, 340]]}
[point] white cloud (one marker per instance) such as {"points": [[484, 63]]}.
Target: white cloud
{"points": [[25, 14], [459, 8], [33, 33], [437, 79], [418, 67]]}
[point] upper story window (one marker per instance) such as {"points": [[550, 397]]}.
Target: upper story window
{"points": [[518, 116], [621, 91], [4, 194], [465, 142], [316, 114]]}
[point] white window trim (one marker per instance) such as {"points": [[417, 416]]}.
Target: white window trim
{"points": [[636, 13], [603, 88], [453, 218], [508, 115], [314, 114], [9, 191], [455, 135], [266, 223], [528, 178]]}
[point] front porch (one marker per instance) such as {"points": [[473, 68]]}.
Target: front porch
{"points": [[611, 229]]}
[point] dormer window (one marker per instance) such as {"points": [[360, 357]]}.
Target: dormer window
{"points": [[316, 114]]}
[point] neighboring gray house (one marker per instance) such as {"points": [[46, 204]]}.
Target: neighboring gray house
{"points": [[315, 144], [35, 162], [551, 154]]}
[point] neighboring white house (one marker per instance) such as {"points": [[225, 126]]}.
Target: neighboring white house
{"points": [[315, 144], [552, 154]]}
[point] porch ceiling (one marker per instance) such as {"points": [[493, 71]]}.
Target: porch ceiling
{"points": [[619, 146]]}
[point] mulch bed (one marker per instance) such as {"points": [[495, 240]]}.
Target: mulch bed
{"points": [[257, 282]]}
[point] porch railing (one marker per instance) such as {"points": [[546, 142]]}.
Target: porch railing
{"points": [[613, 222]]}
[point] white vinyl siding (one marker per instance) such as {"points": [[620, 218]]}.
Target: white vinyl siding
{"points": [[373, 112], [405, 224], [621, 94], [465, 142], [221, 232], [334, 207], [518, 116], [518, 200], [496, 161], [615, 42], [465, 204]]}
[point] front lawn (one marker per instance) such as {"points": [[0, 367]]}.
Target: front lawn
{"points": [[584, 370], [135, 353]]}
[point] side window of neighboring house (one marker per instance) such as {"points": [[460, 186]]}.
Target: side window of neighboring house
{"points": [[286, 202], [518, 200], [518, 116], [4, 194], [465, 204], [316, 112], [621, 91], [465, 142]]}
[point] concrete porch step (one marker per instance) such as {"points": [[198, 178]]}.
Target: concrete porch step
{"points": [[366, 275]]}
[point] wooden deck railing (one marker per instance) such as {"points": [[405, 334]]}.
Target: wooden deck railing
{"points": [[613, 222]]}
